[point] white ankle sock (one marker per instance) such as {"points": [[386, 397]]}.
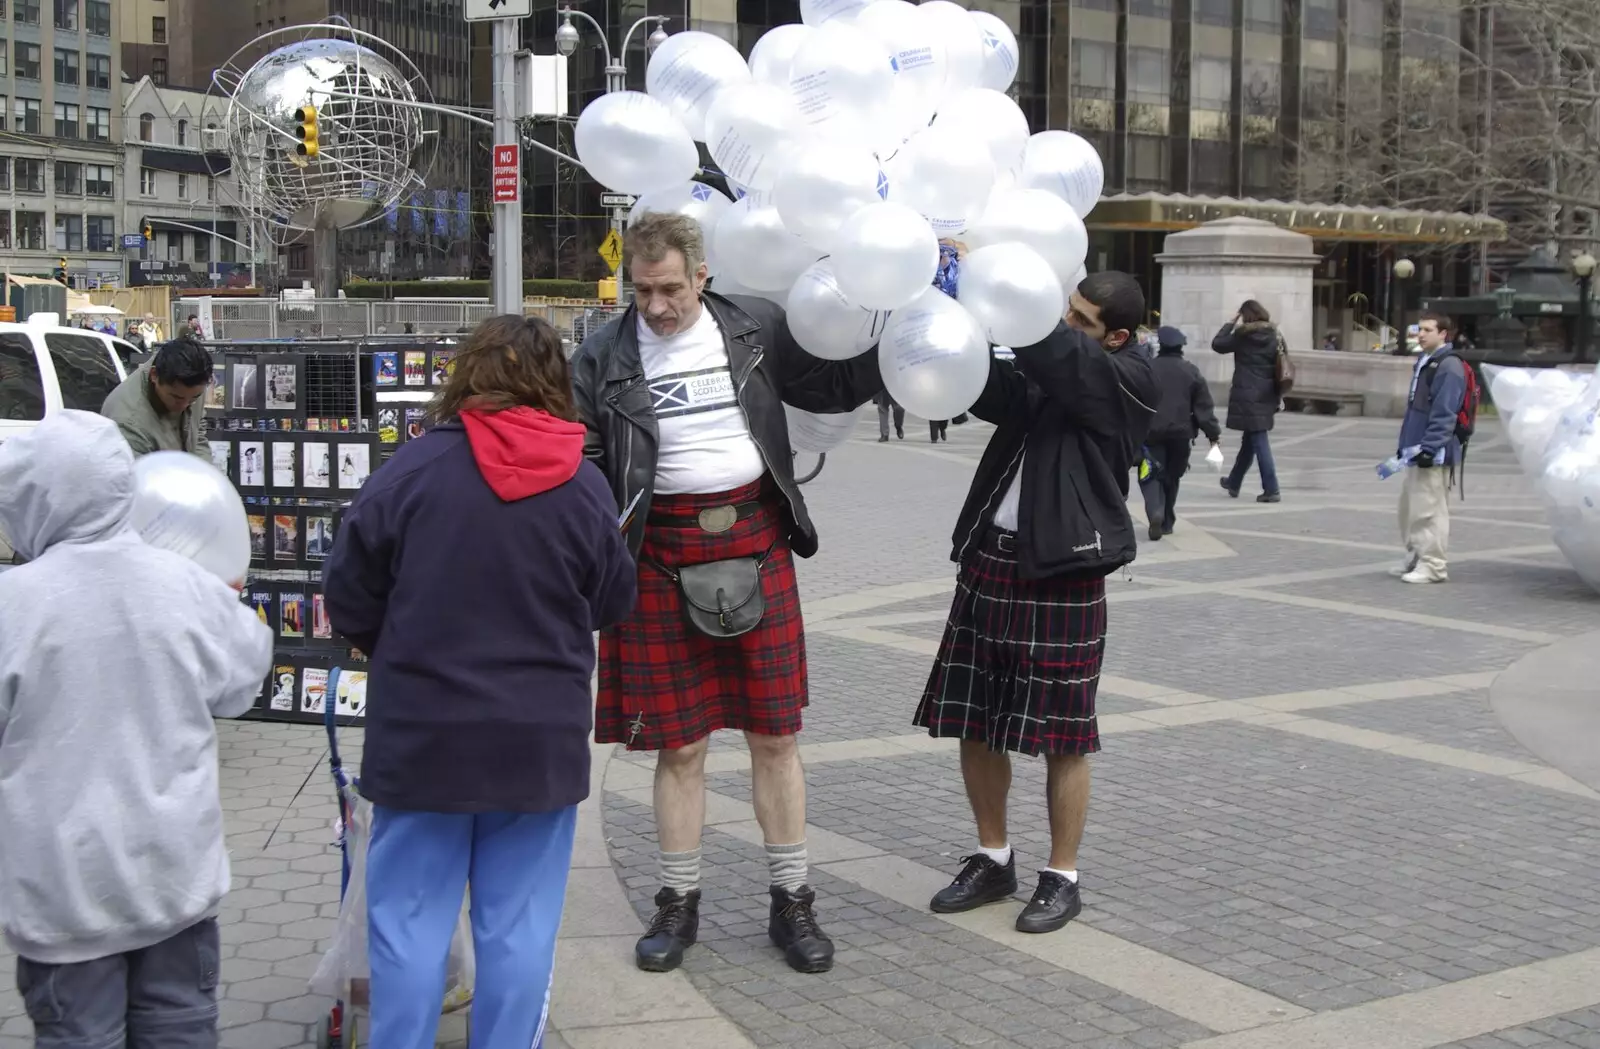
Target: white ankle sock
{"points": [[1002, 855], [787, 865], [680, 871], [1071, 876]]}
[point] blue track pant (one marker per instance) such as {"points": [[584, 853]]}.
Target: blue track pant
{"points": [[418, 867]]}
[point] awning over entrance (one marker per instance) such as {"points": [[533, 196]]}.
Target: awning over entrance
{"points": [[1170, 211]]}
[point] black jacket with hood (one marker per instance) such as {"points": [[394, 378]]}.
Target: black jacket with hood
{"points": [[1080, 413], [1253, 398], [1186, 407]]}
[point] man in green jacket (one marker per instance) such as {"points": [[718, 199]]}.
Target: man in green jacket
{"points": [[158, 408]]}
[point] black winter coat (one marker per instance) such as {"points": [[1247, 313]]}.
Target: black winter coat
{"points": [[1080, 413], [1253, 399], [769, 370], [1186, 407]]}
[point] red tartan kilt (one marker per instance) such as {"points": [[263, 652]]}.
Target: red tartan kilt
{"points": [[663, 684]]}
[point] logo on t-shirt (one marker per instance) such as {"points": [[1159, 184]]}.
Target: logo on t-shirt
{"points": [[690, 393]]}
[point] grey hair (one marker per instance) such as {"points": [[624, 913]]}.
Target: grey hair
{"points": [[657, 233]]}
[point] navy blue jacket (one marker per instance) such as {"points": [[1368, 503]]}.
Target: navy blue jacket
{"points": [[478, 613], [1439, 386]]}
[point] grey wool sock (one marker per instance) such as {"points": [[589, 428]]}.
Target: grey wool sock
{"points": [[680, 871], [788, 865]]}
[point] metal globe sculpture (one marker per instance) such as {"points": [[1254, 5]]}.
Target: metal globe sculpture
{"points": [[324, 131]]}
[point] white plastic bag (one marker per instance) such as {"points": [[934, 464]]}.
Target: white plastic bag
{"points": [[345, 972], [1214, 457]]}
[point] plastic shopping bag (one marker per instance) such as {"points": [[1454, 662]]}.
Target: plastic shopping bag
{"points": [[344, 972], [1214, 457]]}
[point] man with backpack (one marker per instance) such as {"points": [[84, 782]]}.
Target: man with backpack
{"points": [[1440, 413]]}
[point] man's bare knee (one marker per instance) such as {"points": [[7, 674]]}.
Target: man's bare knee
{"points": [[684, 759], [774, 749]]}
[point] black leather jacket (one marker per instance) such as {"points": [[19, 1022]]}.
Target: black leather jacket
{"points": [[769, 370]]}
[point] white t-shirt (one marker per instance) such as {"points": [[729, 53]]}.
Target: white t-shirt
{"points": [[1005, 515], [705, 439]]}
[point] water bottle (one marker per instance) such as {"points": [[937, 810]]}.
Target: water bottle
{"points": [[1397, 462]]}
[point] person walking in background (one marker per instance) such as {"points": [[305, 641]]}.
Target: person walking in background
{"points": [[1253, 398], [1045, 521], [115, 656], [1184, 412], [478, 756], [1438, 389], [886, 408], [937, 429]]}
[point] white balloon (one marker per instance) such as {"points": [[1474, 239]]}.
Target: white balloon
{"points": [[1507, 387], [885, 256], [1038, 219], [999, 51], [697, 200], [688, 70], [1012, 293], [1077, 278], [757, 250], [774, 53], [631, 143], [933, 356], [945, 177], [1066, 165], [750, 131], [1530, 431], [824, 322], [842, 81], [822, 185], [919, 61], [724, 285], [187, 506], [817, 12], [817, 433], [962, 40], [988, 117]]}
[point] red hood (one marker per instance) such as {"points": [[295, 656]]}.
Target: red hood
{"points": [[523, 451]]}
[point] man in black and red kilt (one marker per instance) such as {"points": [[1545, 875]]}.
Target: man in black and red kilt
{"points": [[683, 397], [1045, 522]]}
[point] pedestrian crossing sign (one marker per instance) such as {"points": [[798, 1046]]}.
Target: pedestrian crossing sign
{"points": [[611, 250]]}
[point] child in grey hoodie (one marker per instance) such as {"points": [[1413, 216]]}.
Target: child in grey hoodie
{"points": [[114, 657]]}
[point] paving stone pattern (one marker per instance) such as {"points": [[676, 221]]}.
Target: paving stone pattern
{"points": [[1580, 1029], [1460, 719]]}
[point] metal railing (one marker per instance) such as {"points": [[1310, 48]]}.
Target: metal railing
{"points": [[233, 319]]}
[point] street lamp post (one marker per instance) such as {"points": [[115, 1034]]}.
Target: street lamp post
{"points": [[1583, 267], [567, 40], [1404, 269]]}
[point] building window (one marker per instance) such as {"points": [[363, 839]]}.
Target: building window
{"points": [[67, 15], [1094, 69], [1322, 19], [99, 180], [1213, 83], [1148, 166], [27, 64], [183, 187], [158, 71], [5, 229], [66, 120], [147, 127], [98, 14], [1263, 16], [158, 30], [147, 182], [66, 66], [226, 251], [1366, 23], [97, 124], [1149, 75], [5, 58], [28, 116], [101, 231], [5, 108], [27, 13], [5, 173], [1319, 91], [1214, 12], [298, 257], [183, 132], [211, 190], [69, 179], [97, 71], [69, 232], [30, 230], [30, 175], [1262, 88], [1151, 8], [202, 248]]}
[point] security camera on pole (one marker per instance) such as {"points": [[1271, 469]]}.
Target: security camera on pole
{"points": [[506, 273]]}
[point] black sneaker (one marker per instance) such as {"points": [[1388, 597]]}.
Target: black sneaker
{"points": [[1268, 497], [1055, 902], [981, 881], [1156, 532], [793, 929], [1233, 493], [672, 931]]}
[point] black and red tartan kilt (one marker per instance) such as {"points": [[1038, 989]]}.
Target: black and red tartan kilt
{"points": [[663, 684], [1019, 665]]}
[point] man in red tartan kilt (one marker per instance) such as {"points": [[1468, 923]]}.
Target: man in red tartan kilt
{"points": [[1045, 522], [683, 397]]}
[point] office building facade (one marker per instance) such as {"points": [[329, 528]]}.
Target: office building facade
{"points": [[146, 33]]}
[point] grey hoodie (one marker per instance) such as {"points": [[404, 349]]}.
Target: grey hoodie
{"points": [[114, 656]]}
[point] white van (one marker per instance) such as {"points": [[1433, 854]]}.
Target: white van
{"points": [[45, 368]]}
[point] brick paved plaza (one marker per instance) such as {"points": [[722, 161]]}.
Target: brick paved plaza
{"points": [[1309, 829]]}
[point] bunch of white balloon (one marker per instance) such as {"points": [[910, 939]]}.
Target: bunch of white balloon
{"points": [[857, 140], [1551, 423]]}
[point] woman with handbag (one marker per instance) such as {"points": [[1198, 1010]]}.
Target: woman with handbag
{"points": [[473, 569], [1254, 396]]}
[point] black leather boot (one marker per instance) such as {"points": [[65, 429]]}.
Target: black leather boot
{"points": [[673, 930], [794, 929]]}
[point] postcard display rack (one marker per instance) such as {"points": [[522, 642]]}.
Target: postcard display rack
{"points": [[285, 422]]}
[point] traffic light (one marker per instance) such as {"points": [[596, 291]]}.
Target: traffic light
{"points": [[61, 271], [306, 130], [149, 234]]}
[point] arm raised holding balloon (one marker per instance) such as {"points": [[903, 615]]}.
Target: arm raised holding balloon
{"points": [[811, 383]]}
